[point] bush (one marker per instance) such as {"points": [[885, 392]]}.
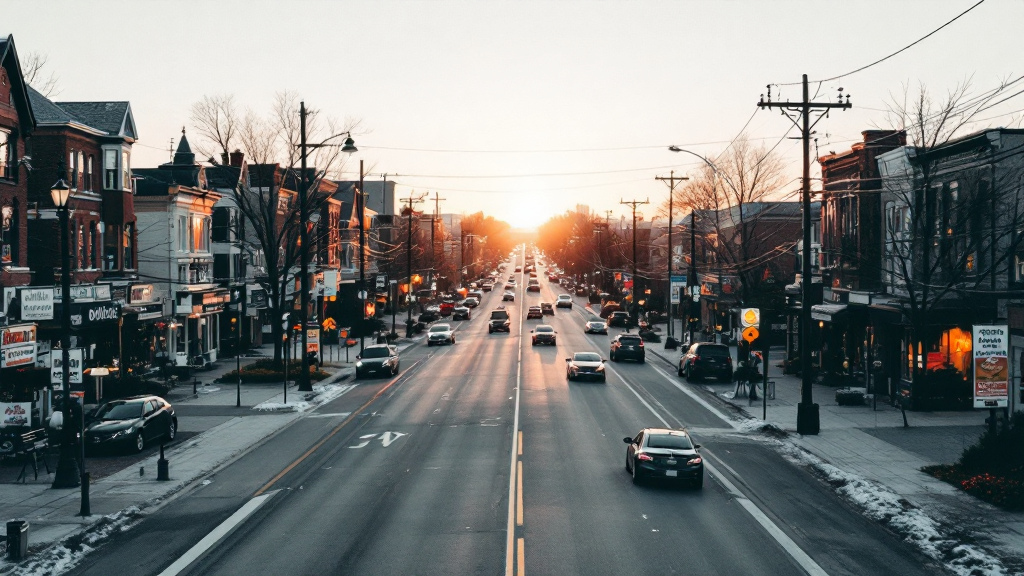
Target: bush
{"points": [[267, 371], [992, 469], [848, 397]]}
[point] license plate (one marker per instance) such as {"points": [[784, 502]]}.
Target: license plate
{"points": [[671, 473]]}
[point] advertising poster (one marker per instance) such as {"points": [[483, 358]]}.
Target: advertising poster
{"points": [[678, 284], [76, 363], [14, 414], [37, 304], [991, 366]]}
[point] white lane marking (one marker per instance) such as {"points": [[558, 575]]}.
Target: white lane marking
{"points": [[510, 541], [697, 398], [638, 397], [330, 415], [388, 437], [219, 533], [366, 440]]}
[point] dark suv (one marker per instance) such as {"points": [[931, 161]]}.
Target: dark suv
{"points": [[619, 319], [499, 321], [627, 347], [706, 359]]}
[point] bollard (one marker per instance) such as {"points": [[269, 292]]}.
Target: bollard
{"points": [[142, 471], [162, 468], [17, 540], [195, 386]]}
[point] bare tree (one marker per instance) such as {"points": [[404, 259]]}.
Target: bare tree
{"points": [[217, 120], [33, 69]]}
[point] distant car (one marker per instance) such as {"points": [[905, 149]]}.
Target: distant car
{"points": [[585, 365], [534, 312], [619, 319], [487, 286], [511, 285], [547, 308], [512, 278], [519, 268], [471, 302], [595, 327], [499, 321], [543, 334], [508, 296], [377, 359], [479, 295], [627, 347], [564, 301], [664, 454], [460, 313], [533, 286], [445, 309], [440, 334], [131, 423], [552, 277], [705, 359], [430, 314]]}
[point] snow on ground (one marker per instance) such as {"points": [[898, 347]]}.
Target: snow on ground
{"points": [[67, 553], [882, 504], [304, 402]]}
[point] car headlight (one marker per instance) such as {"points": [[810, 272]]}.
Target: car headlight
{"points": [[600, 368], [359, 364]]}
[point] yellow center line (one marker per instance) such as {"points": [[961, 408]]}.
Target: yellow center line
{"points": [[520, 442], [520, 559], [323, 441], [519, 495]]}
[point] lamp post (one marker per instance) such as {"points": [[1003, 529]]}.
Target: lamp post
{"points": [[68, 474]]}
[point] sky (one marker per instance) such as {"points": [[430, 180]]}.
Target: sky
{"points": [[524, 109]]}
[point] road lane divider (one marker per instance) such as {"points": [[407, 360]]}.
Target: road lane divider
{"points": [[513, 552], [519, 495], [521, 558], [222, 531]]}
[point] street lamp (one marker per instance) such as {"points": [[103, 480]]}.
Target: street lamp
{"points": [[68, 474]]}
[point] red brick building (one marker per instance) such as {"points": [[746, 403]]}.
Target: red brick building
{"points": [[17, 124]]}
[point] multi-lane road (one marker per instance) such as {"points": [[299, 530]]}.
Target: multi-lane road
{"points": [[480, 458]]}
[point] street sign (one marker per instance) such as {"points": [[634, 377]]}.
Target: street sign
{"points": [[312, 340], [76, 362], [751, 333], [362, 295], [382, 281], [750, 317]]}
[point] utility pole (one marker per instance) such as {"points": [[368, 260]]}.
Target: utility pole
{"points": [[304, 383], [408, 262], [433, 224], [636, 284], [668, 255], [807, 419], [362, 257]]}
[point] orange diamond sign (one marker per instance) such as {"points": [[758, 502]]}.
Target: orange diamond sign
{"points": [[751, 334]]}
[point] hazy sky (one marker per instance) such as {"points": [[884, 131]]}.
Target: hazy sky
{"points": [[521, 109]]}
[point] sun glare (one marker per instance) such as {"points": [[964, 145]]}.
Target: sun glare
{"points": [[527, 211]]}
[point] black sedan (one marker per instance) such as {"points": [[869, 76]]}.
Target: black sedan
{"points": [[543, 334], [662, 453], [131, 422], [379, 359], [585, 365], [595, 327], [460, 313]]}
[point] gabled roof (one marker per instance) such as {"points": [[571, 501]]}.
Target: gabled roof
{"points": [[19, 89], [46, 111], [114, 118]]}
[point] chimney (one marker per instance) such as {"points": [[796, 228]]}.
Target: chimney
{"points": [[223, 158], [237, 157]]}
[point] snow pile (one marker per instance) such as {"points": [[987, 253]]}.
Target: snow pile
{"points": [[67, 553], [881, 504], [752, 425], [321, 393]]}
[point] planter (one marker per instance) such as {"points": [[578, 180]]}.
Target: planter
{"points": [[849, 397]]}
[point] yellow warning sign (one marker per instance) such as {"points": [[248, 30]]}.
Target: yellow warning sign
{"points": [[751, 334], [750, 317]]}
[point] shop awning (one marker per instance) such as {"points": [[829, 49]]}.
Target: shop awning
{"points": [[827, 312]]}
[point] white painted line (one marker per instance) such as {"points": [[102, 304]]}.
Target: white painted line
{"points": [[696, 398], [219, 533], [330, 415], [510, 540], [638, 397]]}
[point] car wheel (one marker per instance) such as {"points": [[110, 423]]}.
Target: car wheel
{"points": [[429, 343], [533, 343], [679, 370], [627, 463], [604, 379], [642, 359], [140, 441], [172, 430], [552, 341], [689, 374], [636, 475]]}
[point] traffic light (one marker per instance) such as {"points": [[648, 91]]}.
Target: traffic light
{"points": [[371, 309]]}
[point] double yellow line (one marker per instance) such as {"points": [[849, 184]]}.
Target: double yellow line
{"points": [[520, 552]]}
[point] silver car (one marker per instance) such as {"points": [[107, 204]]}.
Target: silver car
{"points": [[440, 334]]}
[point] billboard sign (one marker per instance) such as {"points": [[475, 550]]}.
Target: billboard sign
{"points": [[991, 366], [678, 286], [37, 304]]}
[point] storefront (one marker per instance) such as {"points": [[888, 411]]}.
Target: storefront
{"points": [[144, 329], [195, 333], [20, 380]]}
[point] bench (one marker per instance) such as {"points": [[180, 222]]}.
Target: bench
{"points": [[28, 447]]}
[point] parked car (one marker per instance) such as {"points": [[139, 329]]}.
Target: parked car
{"points": [[627, 346], [595, 327], [460, 313], [585, 365], [564, 301], [543, 334], [431, 314], [621, 319], [705, 359], [471, 302], [508, 296], [534, 312], [608, 308], [664, 454], [547, 308], [131, 423], [378, 359], [499, 321], [440, 334]]}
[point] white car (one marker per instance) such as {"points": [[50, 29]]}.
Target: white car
{"points": [[508, 296], [564, 301], [440, 334]]}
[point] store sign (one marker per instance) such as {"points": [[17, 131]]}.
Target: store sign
{"points": [[142, 294], [330, 283], [17, 335], [991, 366], [257, 299], [90, 313], [20, 355], [14, 414], [313, 340], [37, 304], [84, 293], [678, 286], [382, 281], [76, 364]]}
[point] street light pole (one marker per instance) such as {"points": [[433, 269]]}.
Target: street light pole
{"points": [[691, 279], [362, 257], [68, 474], [304, 383]]}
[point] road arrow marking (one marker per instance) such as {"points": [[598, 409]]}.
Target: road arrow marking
{"points": [[365, 440], [386, 438]]}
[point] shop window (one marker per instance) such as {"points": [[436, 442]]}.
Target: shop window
{"points": [[951, 350]]}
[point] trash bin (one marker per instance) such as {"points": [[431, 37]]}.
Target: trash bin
{"points": [[17, 540]]}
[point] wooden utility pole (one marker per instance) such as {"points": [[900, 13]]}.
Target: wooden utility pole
{"points": [[807, 418], [633, 292], [433, 224], [408, 263], [668, 254]]}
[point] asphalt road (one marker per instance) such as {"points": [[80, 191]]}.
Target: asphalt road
{"points": [[427, 473]]}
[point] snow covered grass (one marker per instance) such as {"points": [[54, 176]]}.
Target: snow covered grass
{"points": [[321, 393], [67, 553], [879, 503]]}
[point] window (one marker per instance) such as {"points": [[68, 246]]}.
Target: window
{"points": [[182, 234], [80, 255], [182, 273], [8, 252], [110, 169], [126, 170], [199, 233], [88, 173], [221, 225], [79, 168], [8, 155], [94, 245], [110, 240], [128, 244]]}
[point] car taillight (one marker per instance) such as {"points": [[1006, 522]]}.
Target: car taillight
{"points": [[696, 358], [696, 460], [641, 343], [728, 359], [644, 457]]}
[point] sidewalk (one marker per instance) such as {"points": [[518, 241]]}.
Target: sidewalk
{"points": [[212, 432]]}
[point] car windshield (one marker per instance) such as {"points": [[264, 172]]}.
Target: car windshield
{"points": [[499, 315], [713, 351], [629, 339], [440, 328], [120, 411], [564, 297], [377, 352], [545, 329], [672, 441], [586, 357], [595, 324]]}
